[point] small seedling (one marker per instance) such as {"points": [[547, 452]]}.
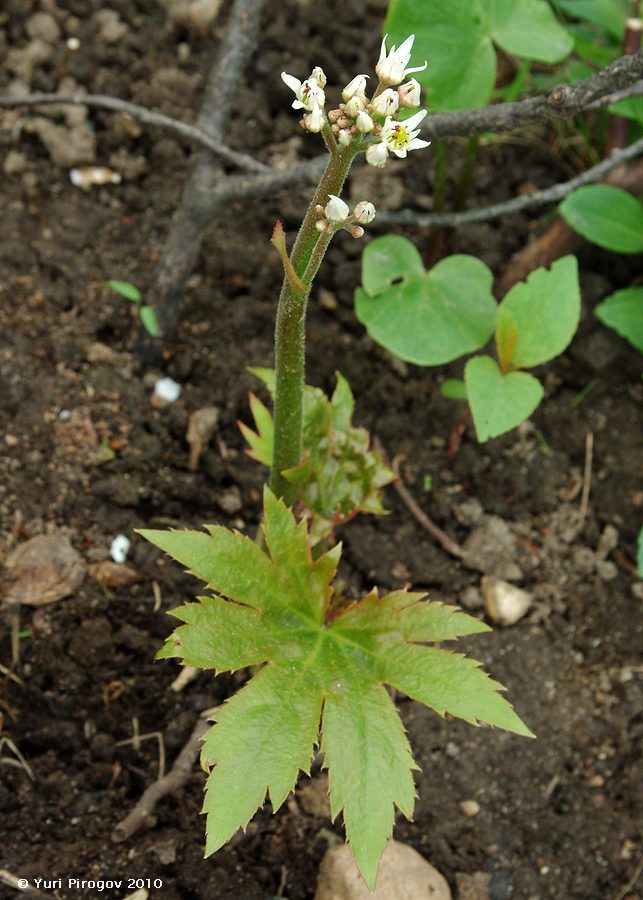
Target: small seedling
{"points": [[145, 313]]}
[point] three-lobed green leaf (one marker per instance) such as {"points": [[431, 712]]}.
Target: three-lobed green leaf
{"points": [[427, 318], [318, 661]]}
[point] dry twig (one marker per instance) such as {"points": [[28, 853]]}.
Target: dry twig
{"points": [[516, 204], [418, 514], [177, 776]]}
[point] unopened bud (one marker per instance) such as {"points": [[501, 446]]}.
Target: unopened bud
{"points": [[409, 94], [319, 76], [314, 120], [354, 107], [386, 103], [364, 212], [357, 231], [356, 86], [364, 122], [344, 137], [333, 115], [336, 210]]}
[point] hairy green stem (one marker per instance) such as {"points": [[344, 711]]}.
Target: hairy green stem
{"points": [[306, 257]]}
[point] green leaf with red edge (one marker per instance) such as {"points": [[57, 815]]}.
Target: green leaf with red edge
{"points": [[319, 661]]}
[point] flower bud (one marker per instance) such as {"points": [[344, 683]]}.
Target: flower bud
{"points": [[409, 94], [354, 107], [356, 86], [364, 122], [319, 76], [364, 212], [377, 154], [344, 137], [357, 231], [314, 120], [336, 210], [386, 103]]}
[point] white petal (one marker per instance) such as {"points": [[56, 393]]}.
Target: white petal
{"points": [[364, 123], [413, 121], [405, 49], [336, 210], [417, 144], [293, 83], [383, 49], [377, 154], [415, 69]]}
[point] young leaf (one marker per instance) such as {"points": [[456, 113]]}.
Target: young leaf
{"points": [[499, 402], [148, 320], [453, 389], [318, 662], [428, 318], [125, 289], [607, 216], [338, 476], [623, 311], [538, 317]]}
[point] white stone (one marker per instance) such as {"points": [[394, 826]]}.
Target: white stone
{"points": [[403, 875], [119, 548], [504, 603], [167, 389]]}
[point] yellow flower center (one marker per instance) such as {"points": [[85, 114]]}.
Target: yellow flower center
{"points": [[398, 138]]}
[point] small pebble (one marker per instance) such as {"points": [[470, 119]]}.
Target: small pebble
{"points": [[119, 548], [504, 603], [469, 808], [167, 389]]}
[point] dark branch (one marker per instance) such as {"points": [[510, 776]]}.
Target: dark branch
{"points": [[563, 101], [144, 115], [536, 198]]}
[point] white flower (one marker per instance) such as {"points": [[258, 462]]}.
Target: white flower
{"points": [[356, 86], [314, 120], [364, 123], [386, 103], [392, 69], [400, 137], [344, 137], [409, 94], [336, 210], [364, 212], [308, 93], [377, 154]]}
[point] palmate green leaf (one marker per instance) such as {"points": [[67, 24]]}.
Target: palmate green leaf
{"points": [[457, 38], [320, 662], [427, 318], [538, 317], [499, 401]]}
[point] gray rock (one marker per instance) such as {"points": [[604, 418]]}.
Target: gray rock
{"points": [[43, 26], [403, 875], [491, 548]]}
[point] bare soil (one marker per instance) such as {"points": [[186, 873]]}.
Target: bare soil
{"points": [[85, 451]]}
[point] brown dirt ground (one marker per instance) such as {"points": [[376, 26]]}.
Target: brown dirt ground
{"points": [[559, 817]]}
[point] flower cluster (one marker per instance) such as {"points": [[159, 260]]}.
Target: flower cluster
{"points": [[373, 122], [336, 214]]}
